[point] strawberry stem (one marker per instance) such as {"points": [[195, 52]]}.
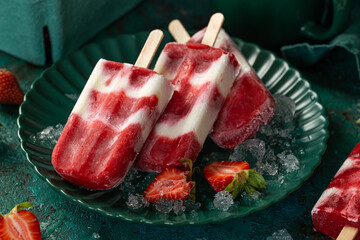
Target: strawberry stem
{"points": [[23, 206], [248, 180]]}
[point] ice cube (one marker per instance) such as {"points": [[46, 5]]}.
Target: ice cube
{"points": [[223, 200], [48, 136], [268, 164], [164, 205], [285, 104], [282, 234], [252, 149], [137, 201], [283, 122], [178, 207], [288, 160]]}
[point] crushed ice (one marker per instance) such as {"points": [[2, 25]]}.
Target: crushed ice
{"points": [[164, 205], [48, 136], [137, 201], [72, 96], [223, 201], [272, 151], [282, 234], [177, 206], [250, 149], [95, 235]]}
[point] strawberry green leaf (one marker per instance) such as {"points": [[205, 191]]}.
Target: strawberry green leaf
{"points": [[24, 205], [256, 180], [248, 180]]}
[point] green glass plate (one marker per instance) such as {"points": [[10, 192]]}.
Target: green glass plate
{"points": [[48, 103]]}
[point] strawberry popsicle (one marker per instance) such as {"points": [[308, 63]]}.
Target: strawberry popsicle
{"points": [[110, 122], [202, 77], [339, 205], [248, 106]]}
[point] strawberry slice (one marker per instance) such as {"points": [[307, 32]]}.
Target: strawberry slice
{"points": [[172, 184], [234, 177], [20, 224], [10, 92]]}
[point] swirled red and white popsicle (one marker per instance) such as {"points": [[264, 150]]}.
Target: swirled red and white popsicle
{"points": [[202, 77], [338, 208], [248, 106], [111, 120]]}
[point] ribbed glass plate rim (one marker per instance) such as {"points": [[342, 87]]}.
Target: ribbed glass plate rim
{"points": [[251, 52]]}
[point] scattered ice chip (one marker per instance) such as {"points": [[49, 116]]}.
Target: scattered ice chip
{"points": [[72, 96], [282, 234], [223, 200], [250, 149], [137, 201], [164, 205], [96, 235], [283, 122], [288, 160], [48, 137]]}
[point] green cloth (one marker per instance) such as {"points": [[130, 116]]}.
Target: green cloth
{"points": [[331, 58]]}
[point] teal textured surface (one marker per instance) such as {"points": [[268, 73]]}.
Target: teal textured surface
{"points": [[42, 31], [62, 219]]}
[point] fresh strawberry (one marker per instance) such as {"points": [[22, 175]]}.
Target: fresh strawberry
{"points": [[234, 177], [172, 184], [10, 92], [20, 224]]}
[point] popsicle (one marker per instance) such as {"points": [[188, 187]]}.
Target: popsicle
{"points": [[338, 208], [111, 120], [248, 106], [202, 77]]}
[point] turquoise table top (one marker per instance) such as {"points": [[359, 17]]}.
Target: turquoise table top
{"points": [[61, 218]]}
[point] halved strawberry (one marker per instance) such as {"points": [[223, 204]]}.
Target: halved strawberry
{"points": [[10, 92], [20, 224], [234, 177], [172, 184]]}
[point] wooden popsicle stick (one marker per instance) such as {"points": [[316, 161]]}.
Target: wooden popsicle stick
{"points": [[178, 31], [213, 29], [149, 49], [347, 233]]}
